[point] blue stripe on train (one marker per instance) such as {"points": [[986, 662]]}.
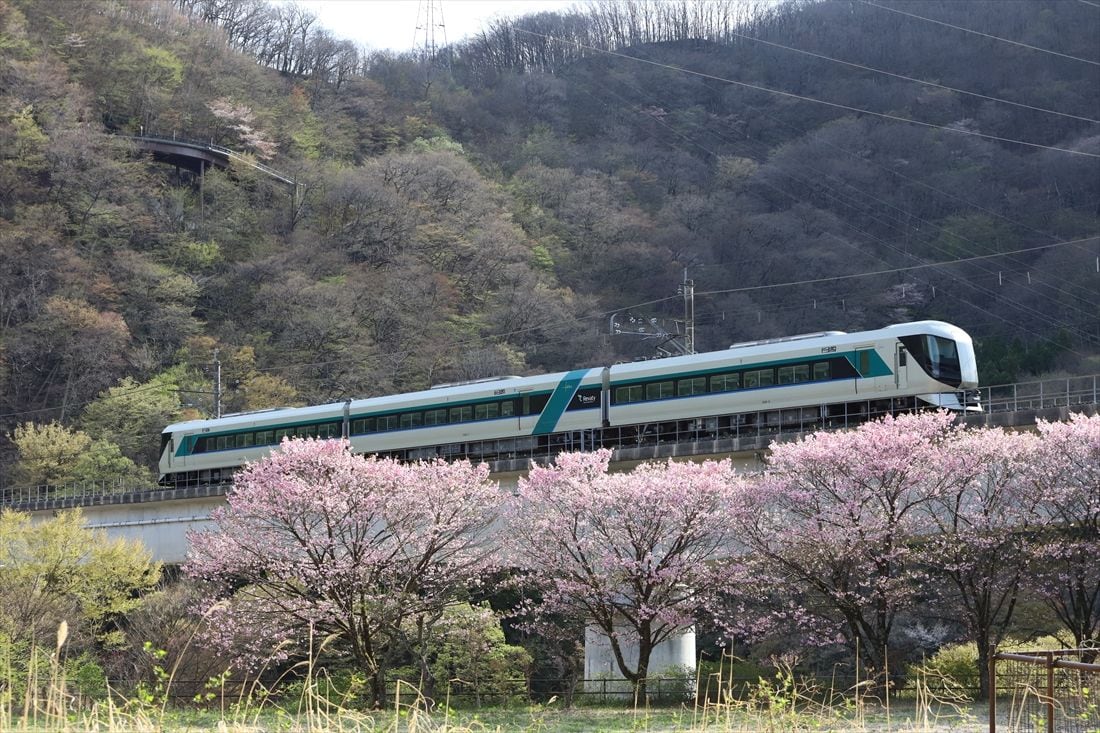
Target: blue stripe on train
{"points": [[559, 400]]}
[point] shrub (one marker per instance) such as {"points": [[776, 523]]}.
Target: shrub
{"points": [[954, 667]]}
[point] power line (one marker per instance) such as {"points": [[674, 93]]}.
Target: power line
{"points": [[603, 315], [893, 270], [859, 206], [912, 79], [801, 97], [979, 33]]}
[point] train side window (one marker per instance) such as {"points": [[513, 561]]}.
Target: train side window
{"points": [[244, 440], [358, 427], [222, 442], [307, 431], [725, 382], [687, 387], [411, 420], [265, 437], [537, 403], [759, 378], [864, 362], [464, 413], [507, 408], [794, 374], [283, 433], [435, 417], [486, 411], [821, 371], [200, 446], [387, 422], [631, 393], [658, 390]]}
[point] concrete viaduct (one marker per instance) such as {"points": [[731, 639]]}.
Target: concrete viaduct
{"points": [[161, 518]]}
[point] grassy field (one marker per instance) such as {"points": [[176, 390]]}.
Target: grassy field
{"points": [[528, 719], [493, 721], [49, 702]]}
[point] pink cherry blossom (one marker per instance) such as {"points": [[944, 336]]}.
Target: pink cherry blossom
{"points": [[638, 553], [315, 541]]}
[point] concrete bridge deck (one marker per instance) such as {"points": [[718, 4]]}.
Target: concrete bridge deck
{"points": [[161, 517]]}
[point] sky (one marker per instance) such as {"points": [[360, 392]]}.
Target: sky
{"points": [[392, 24]]}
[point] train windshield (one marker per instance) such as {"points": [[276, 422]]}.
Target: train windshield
{"points": [[938, 356]]}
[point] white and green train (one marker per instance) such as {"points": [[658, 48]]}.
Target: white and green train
{"points": [[797, 383]]}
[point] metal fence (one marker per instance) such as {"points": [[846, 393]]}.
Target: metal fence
{"points": [[1041, 395], [85, 493], [1045, 692]]}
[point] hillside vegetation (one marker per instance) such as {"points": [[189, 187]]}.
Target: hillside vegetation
{"points": [[485, 213]]}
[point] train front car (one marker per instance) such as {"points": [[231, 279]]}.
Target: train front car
{"points": [[944, 355]]}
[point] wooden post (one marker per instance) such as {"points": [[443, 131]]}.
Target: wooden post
{"points": [[992, 689], [1050, 692]]}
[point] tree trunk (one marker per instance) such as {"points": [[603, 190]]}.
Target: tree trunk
{"points": [[645, 651], [983, 665], [378, 687]]}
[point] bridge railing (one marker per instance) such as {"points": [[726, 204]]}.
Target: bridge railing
{"points": [[84, 492], [1041, 395], [220, 149]]}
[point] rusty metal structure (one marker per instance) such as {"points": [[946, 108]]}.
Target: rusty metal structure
{"points": [[1045, 691]]}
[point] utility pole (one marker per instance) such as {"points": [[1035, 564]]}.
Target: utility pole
{"points": [[679, 335], [687, 289], [217, 386]]}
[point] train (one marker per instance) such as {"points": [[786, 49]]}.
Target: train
{"points": [[802, 382]]}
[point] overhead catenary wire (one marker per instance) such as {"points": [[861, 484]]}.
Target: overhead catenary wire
{"points": [[892, 270], [601, 316]]}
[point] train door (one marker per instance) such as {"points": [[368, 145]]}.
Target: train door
{"points": [[861, 360], [901, 366], [523, 408]]}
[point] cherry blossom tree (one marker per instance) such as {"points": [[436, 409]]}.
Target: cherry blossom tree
{"points": [[317, 542], [834, 519], [241, 119], [1067, 479], [638, 554], [980, 544]]}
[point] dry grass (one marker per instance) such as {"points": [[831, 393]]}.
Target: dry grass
{"points": [[41, 699]]}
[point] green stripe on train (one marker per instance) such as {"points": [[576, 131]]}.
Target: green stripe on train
{"points": [[559, 400]]}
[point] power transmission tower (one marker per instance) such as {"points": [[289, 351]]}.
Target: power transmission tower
{"points": [[429, 17]]}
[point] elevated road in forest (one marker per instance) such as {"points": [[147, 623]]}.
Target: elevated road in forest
{"points": [[161, 517], [196, 155]]}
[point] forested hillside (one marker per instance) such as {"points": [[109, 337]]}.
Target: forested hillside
{"points": [[487, 211]]}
